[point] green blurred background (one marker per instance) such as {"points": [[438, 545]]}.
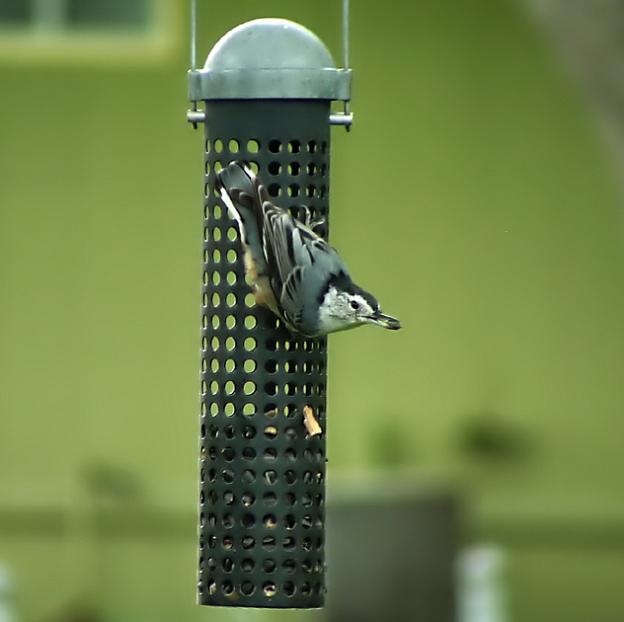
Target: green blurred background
{"points": [[477, 195]]}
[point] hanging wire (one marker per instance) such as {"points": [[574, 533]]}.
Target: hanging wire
{"points": [[190, 115], [345, 49], [345, 34], [193, 34]]}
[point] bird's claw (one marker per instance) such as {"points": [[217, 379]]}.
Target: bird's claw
{"points": [[310, 223]]}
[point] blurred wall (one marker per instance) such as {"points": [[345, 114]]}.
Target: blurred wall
{"points": [[473, 197]]}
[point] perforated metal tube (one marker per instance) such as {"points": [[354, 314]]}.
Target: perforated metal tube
{"points": [[262, 476]]}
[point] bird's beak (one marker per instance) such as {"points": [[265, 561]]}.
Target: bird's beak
{"points": [[387, 321]]}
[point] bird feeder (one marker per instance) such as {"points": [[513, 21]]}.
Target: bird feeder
{"points": [[266, 89]]}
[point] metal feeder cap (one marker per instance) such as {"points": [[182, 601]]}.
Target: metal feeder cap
{"points": [[270, 59]]}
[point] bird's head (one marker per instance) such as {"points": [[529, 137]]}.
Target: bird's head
{"points": [[347, 307]]}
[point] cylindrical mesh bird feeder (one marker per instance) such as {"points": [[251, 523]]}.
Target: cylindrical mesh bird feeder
{"points": [[267, 87]]}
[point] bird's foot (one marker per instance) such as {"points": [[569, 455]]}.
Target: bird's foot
{"points": [[308, 221]]}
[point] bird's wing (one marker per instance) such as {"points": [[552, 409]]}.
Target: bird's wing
{"points": [[300, 264]]}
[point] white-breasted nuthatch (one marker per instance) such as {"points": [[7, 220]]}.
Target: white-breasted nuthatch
{"points": [[292, 270]]}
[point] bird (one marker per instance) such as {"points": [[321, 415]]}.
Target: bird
{"points": [[292, 270]]}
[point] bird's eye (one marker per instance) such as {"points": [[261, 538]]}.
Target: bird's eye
{"points": [[355, 305]]}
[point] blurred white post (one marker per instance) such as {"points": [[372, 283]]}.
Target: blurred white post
{"points": [[481, 593], [7, 606]]}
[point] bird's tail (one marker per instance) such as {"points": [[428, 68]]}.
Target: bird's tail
{"points": [[243, 194]]}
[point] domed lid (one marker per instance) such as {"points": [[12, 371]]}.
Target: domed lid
{"points": [[270, 59], [270, 43]]}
